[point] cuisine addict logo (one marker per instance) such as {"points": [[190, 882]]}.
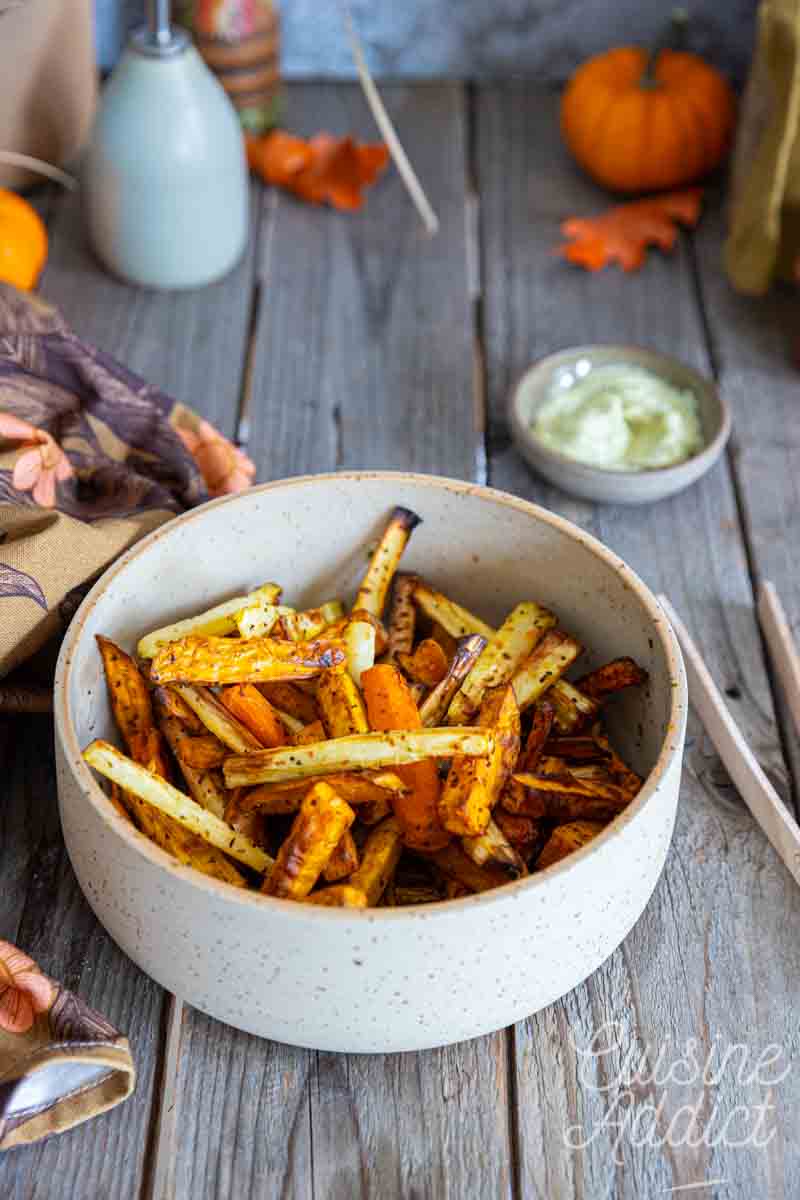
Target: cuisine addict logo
{"points": [[676, 1095]]}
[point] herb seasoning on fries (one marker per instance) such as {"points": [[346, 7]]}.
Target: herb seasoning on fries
{"points": [[323, 757]]}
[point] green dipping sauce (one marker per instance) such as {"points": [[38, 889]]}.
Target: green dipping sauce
{"points": [[620, 417]]}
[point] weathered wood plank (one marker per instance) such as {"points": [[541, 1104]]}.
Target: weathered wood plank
{"points": [[43, 911], [191, 344], [755, 342], [364, 339], [711, 946], [363, 357]]}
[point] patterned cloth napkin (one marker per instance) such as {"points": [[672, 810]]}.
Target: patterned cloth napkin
{"points": [[91, 458]]}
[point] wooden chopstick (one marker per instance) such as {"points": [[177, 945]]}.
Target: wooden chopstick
{"points": [[755, 789], [782, 648]]}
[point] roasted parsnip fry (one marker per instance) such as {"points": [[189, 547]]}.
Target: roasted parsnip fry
{"points": [[258, 620], [243, 660], [580, 748], [155, 791], [474, 785], [565, 839], [215, 621], [216, 717], [434, 708], [309, 623], [255, 712], [132, 707], [428, 664], [339, 629], [613, 677], [541, 726], [622, 774], [404, 895], [554, 654], [116, 795], [205, 786], [342, 895], [314, 732], [510, 647], [251, 824], [201, 751], [458, 866], [340, 704], [291, 724], [375, 584], [167, 700], [356, 787], [452, 617], [446, 640], [371, 812], [390, 705], [343, 861], [379, 858], [564, 798], [573, 709], [493, 846], [403, 616], [522, 832], [364, 750], [316, 831], [359, 643], [290, 699]]}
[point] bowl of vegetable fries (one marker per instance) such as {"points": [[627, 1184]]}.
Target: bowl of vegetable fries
{"points": [[371, 761]]}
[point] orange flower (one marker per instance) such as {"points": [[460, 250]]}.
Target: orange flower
{"points": [[223, 466], [38, 469], [24, 990]]}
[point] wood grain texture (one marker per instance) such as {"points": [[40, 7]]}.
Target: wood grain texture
{"points": [[191, 343], [711, 946], [43, 912], [754, 342], [363, 352], [363, 357]]}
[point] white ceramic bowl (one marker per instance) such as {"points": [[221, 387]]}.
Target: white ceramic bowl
{"points": [[381, 979], [600, 483]]}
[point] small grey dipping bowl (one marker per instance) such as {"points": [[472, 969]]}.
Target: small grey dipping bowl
{"points": [[600, 483]]}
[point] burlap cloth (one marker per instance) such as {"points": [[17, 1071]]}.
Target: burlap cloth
{"points": [[91, 458]]}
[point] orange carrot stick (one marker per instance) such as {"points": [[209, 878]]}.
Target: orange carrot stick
{"points": [[253, 709], [390, 705]]}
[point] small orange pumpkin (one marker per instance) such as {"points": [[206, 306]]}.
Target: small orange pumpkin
{"points": [[639, 122], [23, 241]]}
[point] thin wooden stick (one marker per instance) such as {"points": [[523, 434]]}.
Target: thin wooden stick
{"points": [[387, 129], [15, 159], [755, 789], [782, 648]]}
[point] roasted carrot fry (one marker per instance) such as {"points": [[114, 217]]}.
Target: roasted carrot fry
{"points": [[343, 861], [493, 846], [573, 709], [428, 664], [216, 717], [167, 700], [522, 832], [375, 585], [290, 699], [474, 785], [403, 616], [243, 660], [163, 796], [456, 865], [342, 895], [379, 858], [255, 712], [457, 621], [316, 830], [309, 734], [216, 621], [131, 706], [514, 641], [340, 705], [550, 659], [391, 706], [356, 787], [565, 839], [613, 677], [434, 708]]}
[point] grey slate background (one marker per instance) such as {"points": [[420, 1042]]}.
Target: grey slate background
{"points": [[542, 40]]}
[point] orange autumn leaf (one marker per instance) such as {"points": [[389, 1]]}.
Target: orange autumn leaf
{"points": [[323, 170], [622, 234], [278, 156]]}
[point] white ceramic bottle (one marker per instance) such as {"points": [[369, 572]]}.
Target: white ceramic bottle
{"points": [[165, 183]]}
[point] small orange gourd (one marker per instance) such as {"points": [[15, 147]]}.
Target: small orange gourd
{"points": [[23, 241], [645, 122]]}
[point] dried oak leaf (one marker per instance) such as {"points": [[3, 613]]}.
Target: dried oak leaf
{"points": [[278, 156], [324, 170], [623, 233]]}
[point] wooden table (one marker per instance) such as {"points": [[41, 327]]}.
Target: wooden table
{"points": [[356, 342]]}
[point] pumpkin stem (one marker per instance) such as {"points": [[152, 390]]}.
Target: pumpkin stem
{"points": [[673, 38]]}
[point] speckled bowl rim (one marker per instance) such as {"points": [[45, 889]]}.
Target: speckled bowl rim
{"points": [[523, 434], [291, 908]]}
